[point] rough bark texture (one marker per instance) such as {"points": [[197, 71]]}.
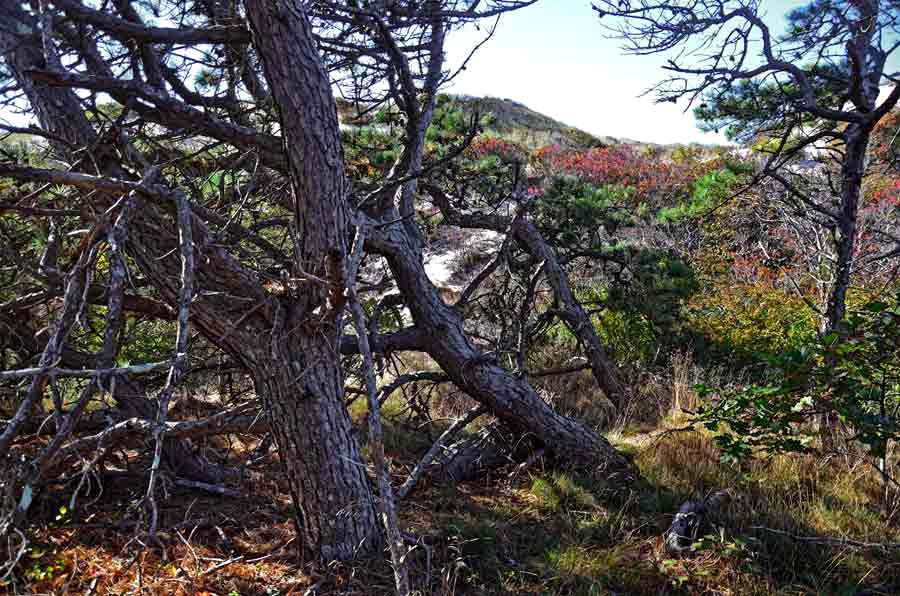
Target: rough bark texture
{"points": [[319, 454], [55, 109], [471, 457], [60, 114], [291, 343], [312, 429]]}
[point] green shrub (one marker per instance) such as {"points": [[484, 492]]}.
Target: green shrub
{"points": [[853, 376]]}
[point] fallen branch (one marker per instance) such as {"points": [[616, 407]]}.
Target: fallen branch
{"points": [[73, 303], [831, 540], [436, 448], [219, 424], [179, 364], [534, 457]]}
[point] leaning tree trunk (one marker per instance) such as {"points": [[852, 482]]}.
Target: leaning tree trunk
{"points": [[60, 114], [529, 237], [295, 365], [509, 398], [572, 313]]}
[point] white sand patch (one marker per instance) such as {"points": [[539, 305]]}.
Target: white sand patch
{"points": [[445, 261]]}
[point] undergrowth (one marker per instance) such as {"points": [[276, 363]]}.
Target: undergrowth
{"points": [[542, 532]]}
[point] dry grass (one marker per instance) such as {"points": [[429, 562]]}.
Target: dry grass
{"points": [[544, 532]]}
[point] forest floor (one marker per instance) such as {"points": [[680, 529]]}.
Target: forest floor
{"points": [[540, 532]]}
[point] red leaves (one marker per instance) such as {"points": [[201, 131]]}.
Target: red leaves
{"points": [[650, 175], [505, 150]]}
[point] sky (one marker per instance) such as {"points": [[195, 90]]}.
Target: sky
{"points": [[556, 58]]}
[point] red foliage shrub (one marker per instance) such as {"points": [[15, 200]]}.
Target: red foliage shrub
{"points": [[649, 175], [487, 146]]}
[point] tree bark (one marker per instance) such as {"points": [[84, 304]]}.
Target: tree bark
{"points": [[302, 390], [509, 398], [321, 457], [60, 114], [852, 172], [471, 457]]}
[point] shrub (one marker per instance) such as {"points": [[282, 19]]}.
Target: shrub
{"points": [[854, 376], [652, 178], [738, 321], [574, 212], [709, 191]]}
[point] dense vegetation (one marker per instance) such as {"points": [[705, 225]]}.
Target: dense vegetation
{"points": [[446, 345]]}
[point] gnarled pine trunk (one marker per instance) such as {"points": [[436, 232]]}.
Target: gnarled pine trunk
{"points": [[302, 389], [301, 386], [305, 401]]}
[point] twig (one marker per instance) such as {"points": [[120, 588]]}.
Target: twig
{"points": [[385, 492], [831, 540], [15, 553], [413, 377], [53, 350], [186, 246], [274, 550], [223, 564], [52, 371]]}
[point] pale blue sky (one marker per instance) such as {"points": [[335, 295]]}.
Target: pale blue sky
{"points": [[554, 57]]}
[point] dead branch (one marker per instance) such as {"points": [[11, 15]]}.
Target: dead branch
{"points": [[387, 507], [439, 445]]}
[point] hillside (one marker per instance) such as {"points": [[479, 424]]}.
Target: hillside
{"points": [[504, 118], [519, 123]]}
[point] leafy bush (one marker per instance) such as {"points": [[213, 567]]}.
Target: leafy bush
{"points": [[652, 178], [854, 377], [369, 153], [738, 321]]}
